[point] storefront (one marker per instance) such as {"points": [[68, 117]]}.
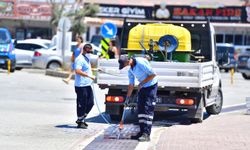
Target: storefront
{"points": [[232, 24], [26, 19], [116, 15], [32, 19]]}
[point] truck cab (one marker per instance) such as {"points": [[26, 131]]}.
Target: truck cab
{"points": [[6, 50], [188, 76]]}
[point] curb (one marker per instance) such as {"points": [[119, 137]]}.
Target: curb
{"points": [[56, 73]]}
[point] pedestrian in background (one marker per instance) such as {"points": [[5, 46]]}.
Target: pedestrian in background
{"points": [[147, 89], [83, 80], [76, 52], [113, 50]]}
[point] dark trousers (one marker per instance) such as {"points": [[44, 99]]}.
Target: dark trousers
{"points": [[84, 101], [146, 105]]}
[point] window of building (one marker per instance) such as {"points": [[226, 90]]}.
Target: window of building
{"points": [[219, 38], [229, 38], [247, 40], [238, 39]]}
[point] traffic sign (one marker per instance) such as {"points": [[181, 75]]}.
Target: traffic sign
{"points": [[108, 30], [64, 24]]}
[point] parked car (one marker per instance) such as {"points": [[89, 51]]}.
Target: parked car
{"points": [[96, 40], [52, 59], [226, 56], [24, 51], [244, 63], [6, 50]]}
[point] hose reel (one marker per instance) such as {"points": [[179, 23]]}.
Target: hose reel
{"points": [[168, 44]]}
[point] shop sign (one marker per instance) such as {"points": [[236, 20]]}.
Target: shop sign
{"points": [[34, 11], [122, 11], [188, 13], [7, 8]]}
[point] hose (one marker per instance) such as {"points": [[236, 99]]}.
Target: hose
{"points": [[99, 110]]}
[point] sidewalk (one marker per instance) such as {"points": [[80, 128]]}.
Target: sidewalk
{"points": [[222, 132]]}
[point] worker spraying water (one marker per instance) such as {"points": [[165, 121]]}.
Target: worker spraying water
{"points": [[83, 81], [147, 89]]}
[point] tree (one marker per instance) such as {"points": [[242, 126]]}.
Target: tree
{"points": [[57, 13], [78, 14]]}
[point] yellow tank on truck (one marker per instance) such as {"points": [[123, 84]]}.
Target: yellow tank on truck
{"points": [[143, 33]]}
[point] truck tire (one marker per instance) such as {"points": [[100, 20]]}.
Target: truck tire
{"points": [[245, 76], [216, 108], [198, 117]]}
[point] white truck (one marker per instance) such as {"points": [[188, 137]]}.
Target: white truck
{"points": [[189, 80]]}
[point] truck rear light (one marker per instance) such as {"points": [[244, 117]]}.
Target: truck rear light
{"points": [[184, 101], [116, 99], [37, 54]]}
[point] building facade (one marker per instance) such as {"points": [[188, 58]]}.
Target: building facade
{"points": [[31, 19], [26, 19]]}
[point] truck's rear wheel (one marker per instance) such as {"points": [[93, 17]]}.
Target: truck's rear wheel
{"points": [[216, 108]]}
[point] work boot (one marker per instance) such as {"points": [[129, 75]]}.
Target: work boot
{"points": [[144, 138], [136, 137], [78, 121], [85, 123], [82, 125]]}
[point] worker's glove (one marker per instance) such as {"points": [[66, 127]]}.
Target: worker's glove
{"points": [[127, 100]]}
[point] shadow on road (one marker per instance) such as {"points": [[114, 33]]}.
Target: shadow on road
{"points": [[171, 118], [67, 126], [165, 119], [99, 118]]}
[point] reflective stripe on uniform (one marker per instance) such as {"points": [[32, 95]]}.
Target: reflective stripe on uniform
{"points": [[82, 117], [146, 122], [145, 116]]}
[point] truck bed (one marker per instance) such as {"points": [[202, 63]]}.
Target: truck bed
{"points": [[169, 74]]}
